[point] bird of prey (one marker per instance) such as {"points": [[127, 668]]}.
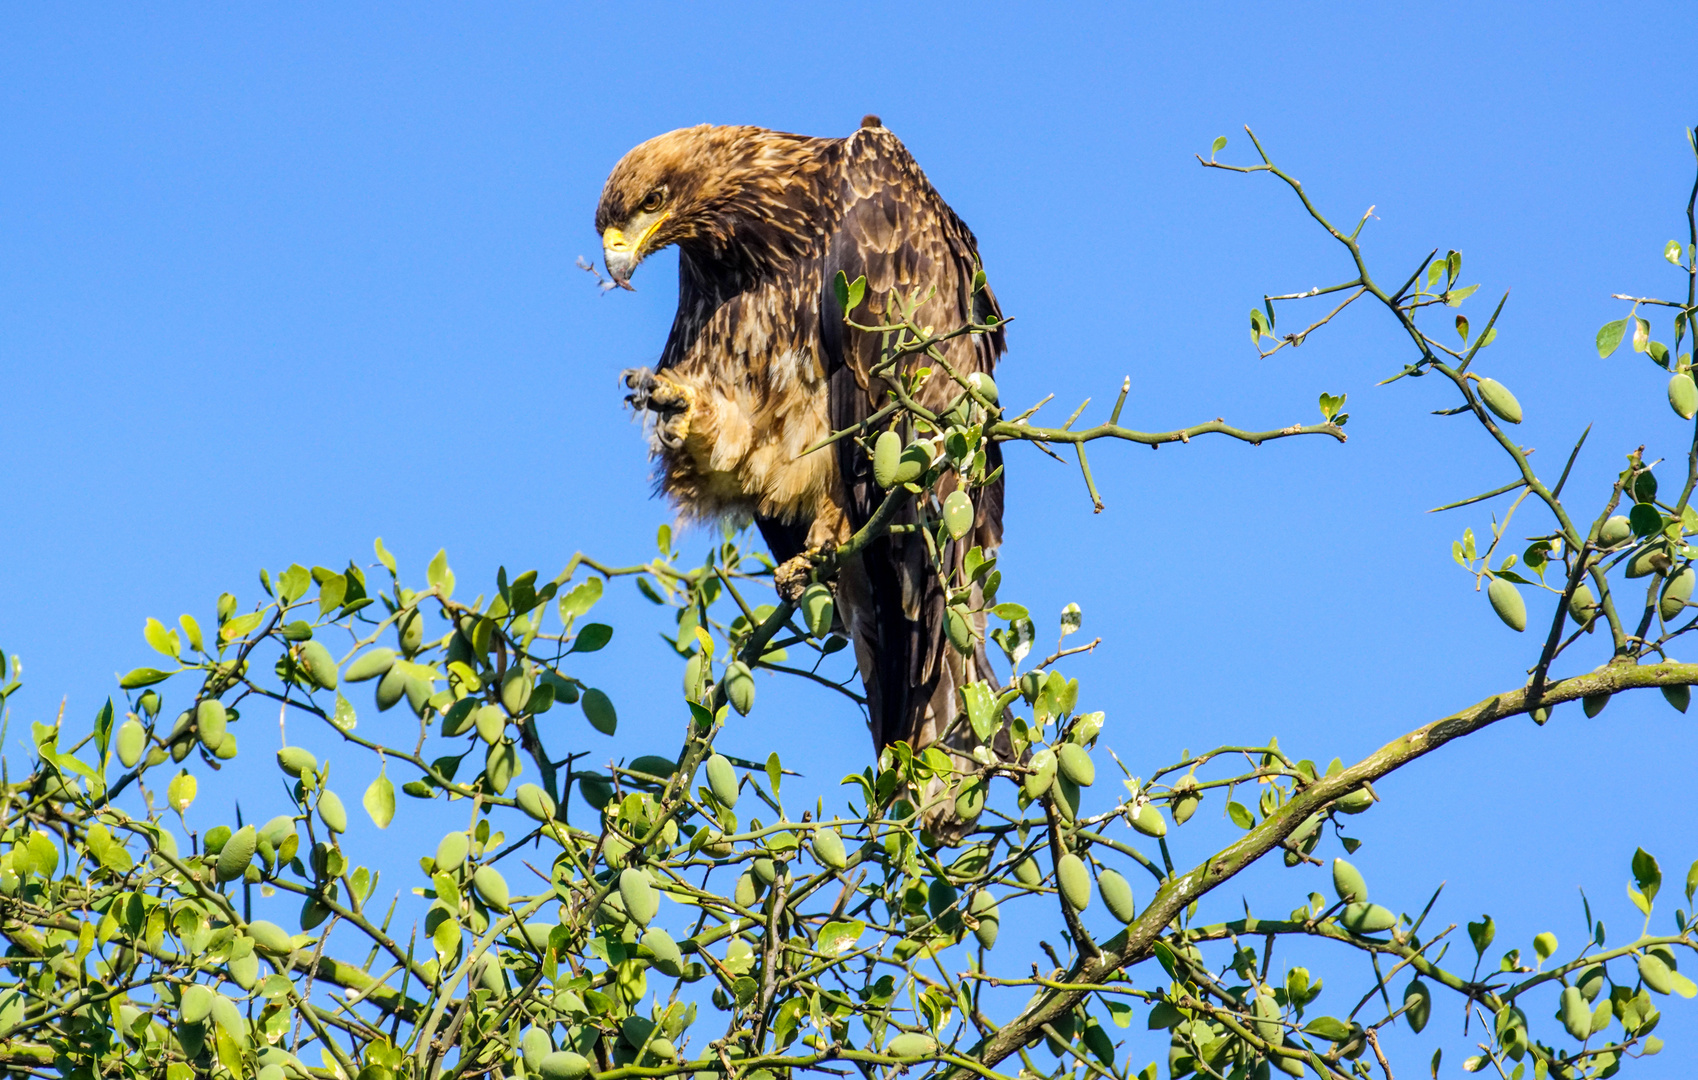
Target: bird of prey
{"points": [[760, 366]]}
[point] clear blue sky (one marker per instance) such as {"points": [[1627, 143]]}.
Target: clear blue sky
{"points": [[272, 284]]}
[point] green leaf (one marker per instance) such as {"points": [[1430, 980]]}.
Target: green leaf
{"points": [[241, 625], [1214, 148], [1462, 328], [1646, 519], [143, 676], [840, 288], [163, 641], [1671, 251], [1609, 337], [383, 556], [592, 638], [191, 630], [837, 938], [1010, 611], [579, 599], [1240, 815], [1641, 334], [379, 801], [1071, 619], [1455, 296], [292, 584], [774, 771], [440, 577], [1647, 874], [1481, 934], [1328, 1028], [599, 711]]}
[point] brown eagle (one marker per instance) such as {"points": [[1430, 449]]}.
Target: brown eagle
{"points": [[759, 366]]}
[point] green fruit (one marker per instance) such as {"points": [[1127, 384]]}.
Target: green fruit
{"points": [[1683, 396], [1043, 766], [451, 852], [747, 891], [722, 780], [332, 812], [237, 852], [490, 722], [535, 1045], [460, 717], [984, 909], [535, 802], [1676, 592], [318, 664], [226, 749], [501, 765], [970, 803], [1148, 820], [1026, 872], [765, 871], [958, 514], [1506, 601], [210, 721], [941, 897], [564, 1065], [1649, 561], [887, 458], [391, 689], [1074, 881], [1266, 1010], [1183, 807], [244, 972], [1418, 1005], [740, 687], [981, 382], [1364, 918], [270, 937], [516, 689], [197, 1004], [695, 677], [132, 739], [636, 889], [1655, 973], [1498, 399], [411, 631], [1075, 764], [915, 461], [1581, 605], [1617, 530], [818, 609], [1576, 1017], [828, 849], [1347, 882], [370, 665], [666, 954], [958, 630], [1678, 696], [1064, 796], [491, 886], [1593, 704], [911, 1044], [1116, 894]]}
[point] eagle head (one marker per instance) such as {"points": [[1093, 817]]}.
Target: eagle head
{"points": [[713, 191]]}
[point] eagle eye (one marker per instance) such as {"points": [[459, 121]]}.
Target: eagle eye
{"points": [[652, 201]]}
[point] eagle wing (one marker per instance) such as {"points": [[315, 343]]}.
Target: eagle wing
{"points": [[896, 231]]}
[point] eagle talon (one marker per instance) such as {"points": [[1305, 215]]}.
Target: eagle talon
{"points": [[669, 401]]}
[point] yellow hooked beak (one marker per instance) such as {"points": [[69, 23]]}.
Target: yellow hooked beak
{"points": [[622, 253]]}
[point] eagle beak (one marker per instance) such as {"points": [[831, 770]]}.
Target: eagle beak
{"points": [[621, 257], [622, 253]]}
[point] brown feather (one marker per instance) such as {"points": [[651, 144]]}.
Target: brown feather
{"points": [[764, 221]]}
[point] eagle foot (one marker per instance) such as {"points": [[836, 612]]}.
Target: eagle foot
{"points": [[671, 402], [793, 576]]}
